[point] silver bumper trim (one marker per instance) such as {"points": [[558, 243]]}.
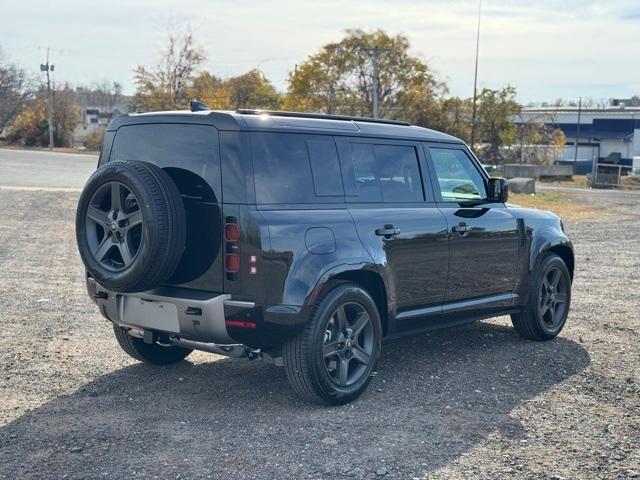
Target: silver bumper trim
{"points": [[201, 319]]}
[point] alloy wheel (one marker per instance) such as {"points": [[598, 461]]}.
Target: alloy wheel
{"points": [[553, 298], [348, 344], [114, 226]]}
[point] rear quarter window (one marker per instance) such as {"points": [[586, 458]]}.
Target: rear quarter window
{"points": [[293, 168]]}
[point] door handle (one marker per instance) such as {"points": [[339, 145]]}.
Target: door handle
{"points": [[387, 232], [461, 229]]}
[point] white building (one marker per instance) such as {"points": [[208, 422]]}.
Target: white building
{"points": [[96, 111], [606, 135]]}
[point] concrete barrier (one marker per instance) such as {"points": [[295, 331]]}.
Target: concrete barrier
{"points": [[536, 171], [522, 185]]}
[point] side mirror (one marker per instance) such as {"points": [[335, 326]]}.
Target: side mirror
{"points": [[498, 190]]}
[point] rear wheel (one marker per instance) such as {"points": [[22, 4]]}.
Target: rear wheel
{"points": [[148, 352], [549, 299], [331, 360]]}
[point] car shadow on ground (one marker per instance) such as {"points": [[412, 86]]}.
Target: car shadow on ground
{"points": [[433, 398]]}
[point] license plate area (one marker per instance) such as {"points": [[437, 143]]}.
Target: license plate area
{"points": [[150, 314]]}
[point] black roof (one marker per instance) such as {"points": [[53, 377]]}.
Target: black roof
{"points": [[263, 120]]}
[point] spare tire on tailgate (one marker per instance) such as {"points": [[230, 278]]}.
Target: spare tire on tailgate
{"points": [[130, 226]]}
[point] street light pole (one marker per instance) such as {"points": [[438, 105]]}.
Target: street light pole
{"points": [[575, 157], [475, 81]]}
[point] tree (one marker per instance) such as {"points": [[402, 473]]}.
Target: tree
{"points": [[250, 90], [210, 90], [253, 90], [538, 142], [494, 120], [15, 89], [30, 126], [341, 78], [164, 86]]}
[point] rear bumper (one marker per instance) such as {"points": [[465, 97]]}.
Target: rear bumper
{"points": [[195, 315]]}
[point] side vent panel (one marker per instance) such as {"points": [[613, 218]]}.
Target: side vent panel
{"points": [[522, 236]]}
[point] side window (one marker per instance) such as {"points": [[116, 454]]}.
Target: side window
{"points": [[458, 178], [380, 173], [325, 168], [282, 166]]}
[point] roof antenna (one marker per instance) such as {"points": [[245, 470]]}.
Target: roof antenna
{"points": [[197, 106]]}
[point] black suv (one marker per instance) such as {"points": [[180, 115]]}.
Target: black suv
{"points": [[307, 240]]}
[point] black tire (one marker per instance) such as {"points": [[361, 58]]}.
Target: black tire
{"points": [[148, 223], [316, 377], [149, 353], [545, 314]]}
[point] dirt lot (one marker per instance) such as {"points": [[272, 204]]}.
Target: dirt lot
{"points": [[473, 402]]}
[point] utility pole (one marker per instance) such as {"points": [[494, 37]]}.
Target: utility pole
{"points": [[374, 60], [49, 68], [374, 53], [475, 81], [575, 158]]}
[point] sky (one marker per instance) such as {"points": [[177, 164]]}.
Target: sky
{"points": [[547, 49]]}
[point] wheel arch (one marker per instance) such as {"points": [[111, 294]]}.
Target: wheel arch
{"points": [[370, 281], [566, 253], [547, 241]]}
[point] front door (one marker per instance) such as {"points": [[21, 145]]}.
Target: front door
{"points": [[396, 220], [483, 236]]}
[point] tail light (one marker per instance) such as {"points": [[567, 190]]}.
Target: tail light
{"points": [[232, 258], [232, 263], [231, 232], [231, 238]]}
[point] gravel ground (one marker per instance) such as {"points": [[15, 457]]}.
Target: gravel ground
{"points": [[471, 402]]}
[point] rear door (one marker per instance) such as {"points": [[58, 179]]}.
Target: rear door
{"points": [[396, 219], [190, 154], [482, 235]]}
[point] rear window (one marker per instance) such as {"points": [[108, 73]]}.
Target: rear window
{"points": [[190, 147], [293, 168], [380, 173]]}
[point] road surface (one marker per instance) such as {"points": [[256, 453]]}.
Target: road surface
{"points": [[38, 169]]}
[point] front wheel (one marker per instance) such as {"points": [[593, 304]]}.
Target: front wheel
{"points": [[331, 360], [549, 299]]}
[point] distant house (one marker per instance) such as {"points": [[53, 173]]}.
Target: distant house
{"points": [[605, 135], [95, 110]]}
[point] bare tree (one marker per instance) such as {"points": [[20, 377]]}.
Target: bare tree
{"points": [[164, 86], [15, 89]]}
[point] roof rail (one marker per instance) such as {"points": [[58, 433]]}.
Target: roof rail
{"points": [[278, 113]]}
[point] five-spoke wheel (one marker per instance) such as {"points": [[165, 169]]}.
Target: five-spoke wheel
{"points": [[114, 226], [348, 343], [553, 297]]}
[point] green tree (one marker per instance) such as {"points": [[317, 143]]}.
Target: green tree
{"points": [[341, 78], [494, 121]]}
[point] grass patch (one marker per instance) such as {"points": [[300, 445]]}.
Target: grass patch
{"points": [[562, 204]]}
